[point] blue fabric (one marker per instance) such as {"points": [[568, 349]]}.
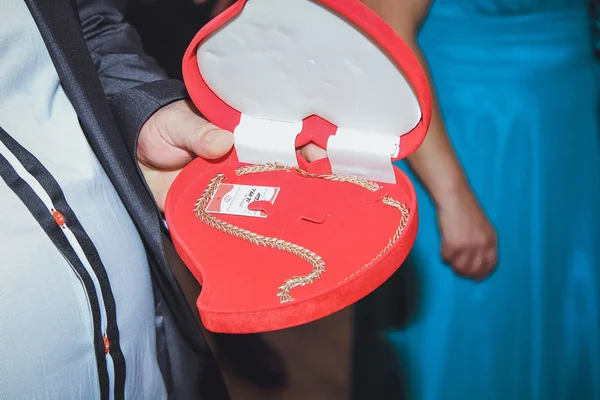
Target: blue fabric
{"points": [[518, 87]]}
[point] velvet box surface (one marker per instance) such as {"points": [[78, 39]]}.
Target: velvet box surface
{"points": [[281, 74]]}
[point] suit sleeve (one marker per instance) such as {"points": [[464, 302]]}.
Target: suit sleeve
{"points": [[134, 83]]}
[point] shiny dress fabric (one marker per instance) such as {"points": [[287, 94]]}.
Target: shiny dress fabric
{"points": [[519, 91]]}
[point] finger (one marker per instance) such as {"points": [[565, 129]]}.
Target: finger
{"points": [[477, 264], [449, 252], [491, 259], [469, 263], [493, 255], [488, 264], [200, 137], [211, 142], [159, 182], [311, 152], [462, 263], [479, 267]]}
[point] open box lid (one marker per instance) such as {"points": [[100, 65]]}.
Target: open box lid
{"points": [[282, 73]]}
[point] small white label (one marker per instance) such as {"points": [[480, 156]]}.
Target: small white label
{"points": [[235, 199]]}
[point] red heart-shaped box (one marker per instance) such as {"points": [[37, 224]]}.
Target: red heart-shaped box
{"points": [[281, 74]]}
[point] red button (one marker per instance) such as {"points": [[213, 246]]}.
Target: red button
{"points": [[58, 218], [106, 345]]}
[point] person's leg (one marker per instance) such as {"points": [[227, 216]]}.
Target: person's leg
{"points": [[251, 358], [375, 373]]}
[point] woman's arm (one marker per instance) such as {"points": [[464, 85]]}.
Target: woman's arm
{"points": [[468, 239], [435, 162]]}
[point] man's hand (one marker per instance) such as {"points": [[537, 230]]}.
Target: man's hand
{"points": [[469, 243], [170, 139]]}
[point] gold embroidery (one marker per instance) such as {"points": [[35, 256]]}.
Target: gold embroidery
{"points": [[317, 263]]}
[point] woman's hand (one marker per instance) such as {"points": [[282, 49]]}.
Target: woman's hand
{"points": [[469, 243], [468, 238]]}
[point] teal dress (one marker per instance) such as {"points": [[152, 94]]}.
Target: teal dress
{"points": [[518, 86]]}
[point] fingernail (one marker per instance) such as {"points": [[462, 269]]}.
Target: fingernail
{"points": [[219, 138], [210, 136]]}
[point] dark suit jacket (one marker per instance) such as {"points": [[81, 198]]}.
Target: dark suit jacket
{"points": [[167, 27], [114, 89]]}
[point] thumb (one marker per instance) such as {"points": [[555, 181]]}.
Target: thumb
{"points": [[208, 141], [187, 130]]}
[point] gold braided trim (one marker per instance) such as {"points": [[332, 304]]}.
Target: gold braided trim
{"points": [[317, 263]]}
